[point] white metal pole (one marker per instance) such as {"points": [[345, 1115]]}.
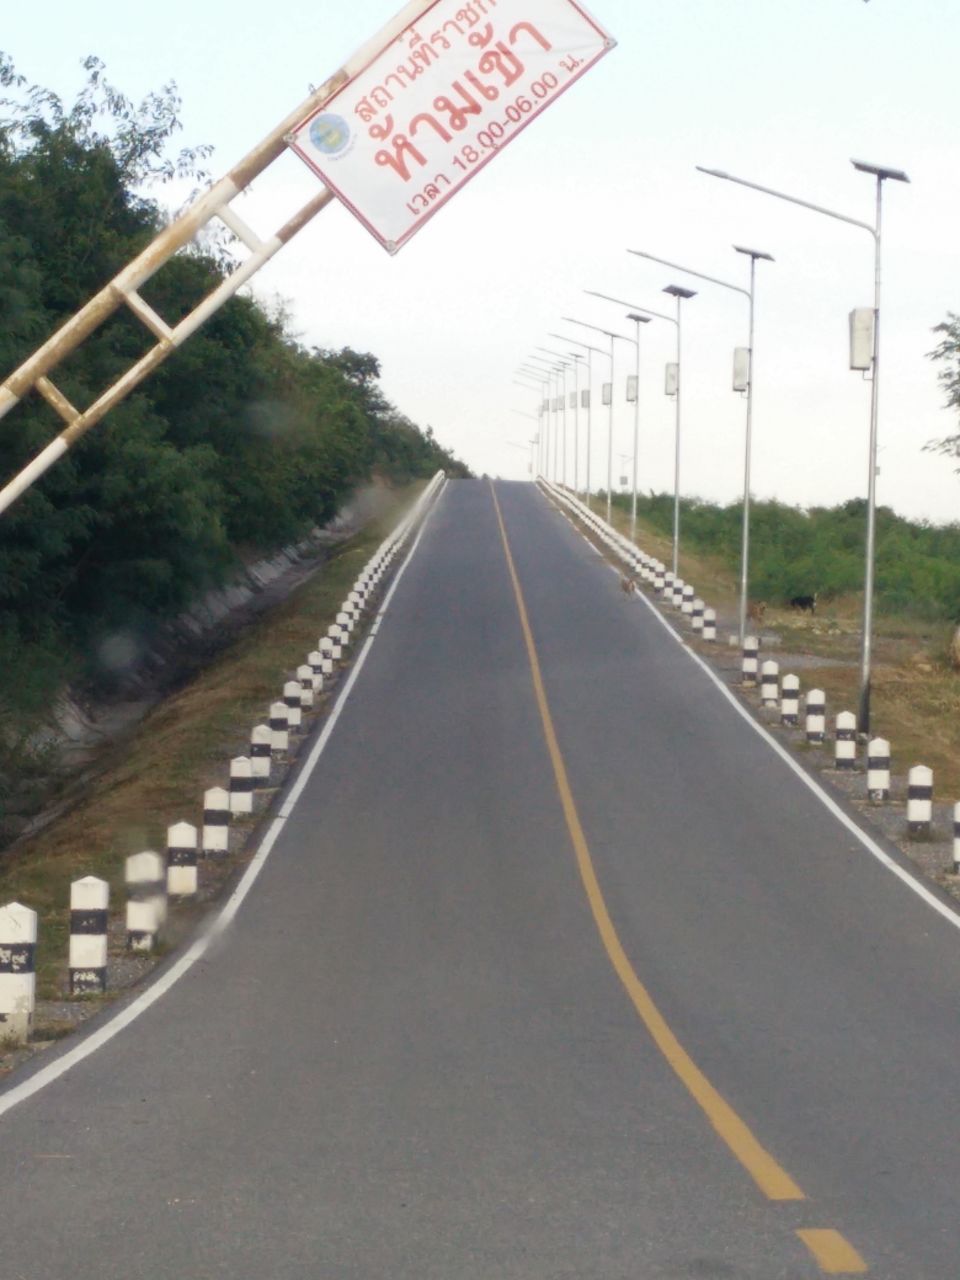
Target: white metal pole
{"points": [[636, 439], [610, 435]]}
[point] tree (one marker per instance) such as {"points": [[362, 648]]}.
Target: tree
{"points": [[947, 354]]}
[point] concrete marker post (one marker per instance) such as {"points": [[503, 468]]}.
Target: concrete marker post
{"points": [[750, 661], [709, 624], [687, 600], [215, 840], [956, 839], [919, 801], [878, 770], [315, 663], [279, 728], [697, 615], [816, 715], [845, 746], [241, 785], [146, 880], [182, 842], [89, 919], [770, 684], [305, 676], [291, 698], [790, 701], [18, 979], [261, 749]]}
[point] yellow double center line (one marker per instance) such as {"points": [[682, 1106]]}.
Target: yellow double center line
{"points": [[832, 1252]]}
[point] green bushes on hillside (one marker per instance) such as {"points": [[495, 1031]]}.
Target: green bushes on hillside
{"points": [[797, 552], [244, 439]]}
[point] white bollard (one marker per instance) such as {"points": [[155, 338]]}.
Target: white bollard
{"points": [[845, 746], [816, 715], [89, 899], [790, 700], [215, 840], [697, 614], [333, 635], [305, 676], [241, 785], [325, 645], [709, 624], [676, 595], [291, 698], [956, 839], [279, 728], [261, 746], [146, 899], [878, 769], [919, 800], [770, 684], [315, 663], [687, 600], [750, 661], [18, 979], [182, 860]]}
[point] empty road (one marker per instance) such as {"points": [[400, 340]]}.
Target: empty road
{"points": [[556, 970]]}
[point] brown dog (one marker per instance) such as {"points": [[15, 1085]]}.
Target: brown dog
{"points": [[756, 610]]}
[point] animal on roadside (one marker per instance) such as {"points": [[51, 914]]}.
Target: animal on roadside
{"points": [[804, 604], [955, 650], [628, 583], [756, 609]]}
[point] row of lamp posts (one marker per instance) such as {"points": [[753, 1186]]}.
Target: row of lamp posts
{"points": [[544, 372]]}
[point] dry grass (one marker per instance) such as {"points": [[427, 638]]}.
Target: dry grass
{"points": [[158, 775], [915, 693]]}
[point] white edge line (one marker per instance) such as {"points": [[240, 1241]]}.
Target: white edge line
{"points": [[197, 949], [942, 908]]}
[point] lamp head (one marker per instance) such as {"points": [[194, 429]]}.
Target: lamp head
{"points": [[754, 253], [879, 171], [678, 291]]}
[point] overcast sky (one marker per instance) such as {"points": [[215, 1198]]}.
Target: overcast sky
{"points": [[782, 94]]}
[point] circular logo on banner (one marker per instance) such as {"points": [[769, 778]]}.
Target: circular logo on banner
{"points": [[329, 134]]}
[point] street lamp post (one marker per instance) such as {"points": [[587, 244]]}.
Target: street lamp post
{"points": [[542, 381], [566, 357], [613, 338], [680, 293], [590, 352], [674, 320], [753, 254], [880, 173], [559, 368], [638, 320], [553, 370]]}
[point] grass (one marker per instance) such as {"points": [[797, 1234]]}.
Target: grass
{"points": [[159, 774], [915, 693]]}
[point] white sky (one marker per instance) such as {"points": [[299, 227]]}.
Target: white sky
{"points": [[780, 93]]}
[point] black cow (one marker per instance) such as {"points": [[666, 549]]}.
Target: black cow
{"points": [[804, 604]]}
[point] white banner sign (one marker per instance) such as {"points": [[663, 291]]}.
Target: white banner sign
{"points": [[631, 388], [438, 103], [607, 393], [573, 399], [584, 399]]}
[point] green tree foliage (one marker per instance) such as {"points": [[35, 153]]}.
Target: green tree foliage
{"points": [[947, 355], [796, 552], [243, 440]]}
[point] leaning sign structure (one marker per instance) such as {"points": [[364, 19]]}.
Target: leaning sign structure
{"points": [[394, 133], [438, 103]]}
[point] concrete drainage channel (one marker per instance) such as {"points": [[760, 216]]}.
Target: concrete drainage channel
{"points": [[167, 894], [900, 809]]}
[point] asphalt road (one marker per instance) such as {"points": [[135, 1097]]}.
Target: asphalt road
{"points": [[411, 1055]]}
